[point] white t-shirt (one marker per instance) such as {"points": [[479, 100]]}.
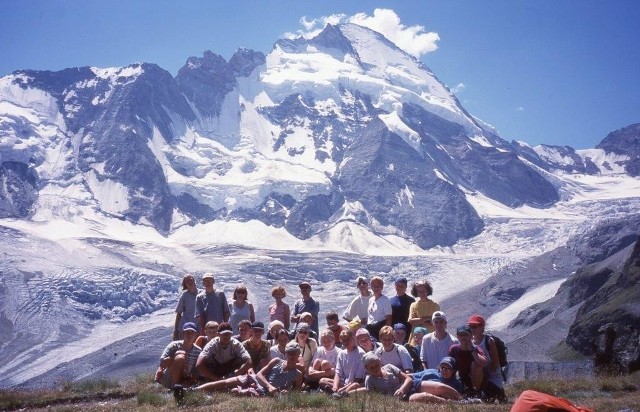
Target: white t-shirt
{"points": [[323, 354], [433, 349], [359, 306], [398, 356], [349, 366], [379, 309]]}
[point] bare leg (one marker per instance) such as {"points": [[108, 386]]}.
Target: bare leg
{"points": [[218, 386]]}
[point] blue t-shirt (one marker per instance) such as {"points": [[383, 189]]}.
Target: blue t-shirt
{"points": [[435, 375]]}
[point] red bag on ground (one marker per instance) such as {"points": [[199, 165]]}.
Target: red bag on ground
{"points": [[533, 401]]}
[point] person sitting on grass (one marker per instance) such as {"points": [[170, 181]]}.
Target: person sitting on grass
{"points": [[278, 376], [470, 360], [244, 331], [257, 347], [437, 385], [281, 376], [393, 353], [210, 330], [349, 367], [177, 362], [386, 379], [324, 361], [223, 356], [365, 341], [281, 339], [274, 327]]}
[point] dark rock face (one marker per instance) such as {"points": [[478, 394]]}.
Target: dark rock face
{"points": [[117, 127], [18, 190], [397, 186], [625, 141], [498, 174], [607, 324]]}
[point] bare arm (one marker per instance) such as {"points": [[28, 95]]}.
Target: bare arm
{"points": [[480, 359], [252, 313], [176, 326], [406, 385], [287, 316], [493, 351], [261, 376]]}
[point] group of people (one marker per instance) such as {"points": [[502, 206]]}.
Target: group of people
{"points": [[398, 346]]}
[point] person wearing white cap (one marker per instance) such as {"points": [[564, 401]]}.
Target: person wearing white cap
{"points": [[435, 345]]}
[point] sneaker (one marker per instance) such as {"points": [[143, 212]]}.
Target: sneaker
{"points": [[340, 395], [178, 393]]}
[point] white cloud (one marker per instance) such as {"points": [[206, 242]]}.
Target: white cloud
{"points": [[459, 88], [519, 109], [415, 40]]}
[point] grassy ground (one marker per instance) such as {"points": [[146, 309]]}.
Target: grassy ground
{"points": [[600, 394]]}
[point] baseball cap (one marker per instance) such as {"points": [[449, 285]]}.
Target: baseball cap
{"points": [[303, 327], [438, 314], [448, 360], [207, 276], [257, 325], [292, 347], [189, 326], [304, 284], [463, 329], [400, 326], [476, 320], [420, 329]]}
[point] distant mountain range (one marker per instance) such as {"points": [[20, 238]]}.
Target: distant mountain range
{"points": [[343, 127]]}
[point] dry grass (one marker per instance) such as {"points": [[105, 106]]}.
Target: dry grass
{"points": [[601, 394]]}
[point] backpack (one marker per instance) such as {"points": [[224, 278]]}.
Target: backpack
{"points": [[503, 351]]}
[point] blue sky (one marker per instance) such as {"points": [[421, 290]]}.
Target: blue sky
{"points": [[561, 72]]}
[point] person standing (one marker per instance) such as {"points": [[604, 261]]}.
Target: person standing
{"points": [[210, 304], [186, 307], [435, 345], [240, 308], [306, 304], [379, 308], [421, 310], [400, 304], [279, 310], [359, 306]]}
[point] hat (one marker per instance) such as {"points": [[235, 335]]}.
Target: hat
{"points": [[303, 327], [420, 329], [438, 314], [400, 326], [362, 331], [463, 329], [369, 358], [355, 323], [257, 325], [402, 280], [476, 320], [292, 347], [225, 328], [189, 326], [301, 284], [361, 280], [207, 276], [448, 360]]}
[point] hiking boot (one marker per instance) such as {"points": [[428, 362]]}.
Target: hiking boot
{"points": [[178, 393], [340, 395]]}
